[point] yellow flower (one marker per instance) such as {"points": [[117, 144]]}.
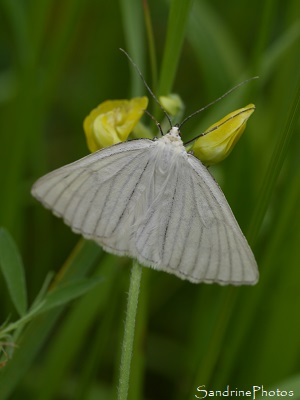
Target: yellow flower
{"points": [[222, 136], [112, 121]]}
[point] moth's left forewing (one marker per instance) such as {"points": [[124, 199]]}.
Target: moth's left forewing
{"points": [[230, 258], [93, 193]]}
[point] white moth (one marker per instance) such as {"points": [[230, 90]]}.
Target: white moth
{"points": [[152, 201]]}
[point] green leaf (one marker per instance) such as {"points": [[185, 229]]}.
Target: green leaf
{"points": [[178, 18], [79, 263], [276, 163], [280, 48], [214, 47], [13, 271], [68, 292], [134, 33]]}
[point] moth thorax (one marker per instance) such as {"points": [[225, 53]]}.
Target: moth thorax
{"points": [[174, 132], [173, 138]]}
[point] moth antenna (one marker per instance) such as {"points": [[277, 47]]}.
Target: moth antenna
{"points": [[156, 122], [215, 101], [148, 88], [218, 126]]}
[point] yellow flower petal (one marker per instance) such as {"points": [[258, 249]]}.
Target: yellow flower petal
{"points": [[112, 121], [222, 136]]}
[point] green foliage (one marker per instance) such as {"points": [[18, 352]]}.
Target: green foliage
{"points": [[58, 60], [13, 271]]}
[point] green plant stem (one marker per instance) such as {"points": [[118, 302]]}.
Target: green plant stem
{"points": [[151, 45], [126, 356], [132, 16], [21, 322]]}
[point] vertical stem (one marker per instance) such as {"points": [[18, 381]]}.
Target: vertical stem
{"points": [[151, 46], [126, 356]]}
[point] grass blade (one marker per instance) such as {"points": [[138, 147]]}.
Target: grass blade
{"points": [[66, 293], [13, 271], [178, 18], [78, 264], [275, 166], [132, 14]]}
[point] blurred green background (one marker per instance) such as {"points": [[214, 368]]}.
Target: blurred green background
{"points": [[58, 60]]}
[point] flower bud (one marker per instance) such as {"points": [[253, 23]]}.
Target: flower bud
{"points": [[219, 139], [172, 104]]}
